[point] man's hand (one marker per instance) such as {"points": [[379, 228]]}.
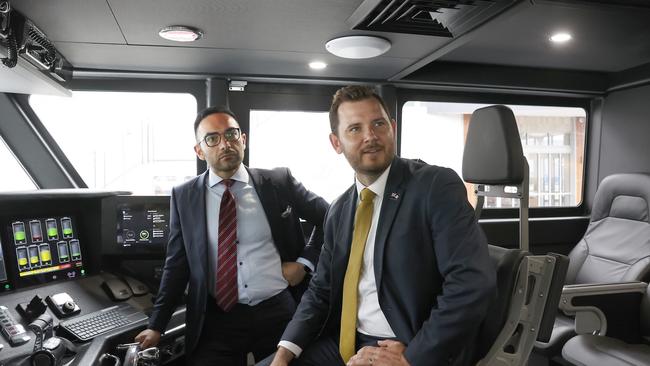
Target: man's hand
{"points": [[282, 357], [148, 338], [389, 353], [293, 272]]}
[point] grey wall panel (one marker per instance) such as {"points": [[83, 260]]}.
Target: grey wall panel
{"points": [[625, 144]]}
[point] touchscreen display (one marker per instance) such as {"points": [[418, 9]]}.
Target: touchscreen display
{"points": [[142, 224], [4, 280], [45, 248]]}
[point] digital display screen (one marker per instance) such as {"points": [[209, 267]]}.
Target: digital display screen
{"points": [[45, 247], [4, 280], [142, 224]]}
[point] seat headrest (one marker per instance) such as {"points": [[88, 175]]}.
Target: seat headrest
{"points": [[493, 153], [624, 196]]}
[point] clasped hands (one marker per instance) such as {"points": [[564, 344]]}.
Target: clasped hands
{"points": [[388, 353]]}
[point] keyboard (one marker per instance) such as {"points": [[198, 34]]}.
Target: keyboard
{"points": [[91, 325]]}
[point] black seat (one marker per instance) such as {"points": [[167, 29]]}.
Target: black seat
{"points": [[615, 248], [506, 262], [493, 160]]}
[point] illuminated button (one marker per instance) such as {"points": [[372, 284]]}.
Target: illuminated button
{"points": [[19, 235], [33, 259], [22, 261], [46, 256]]}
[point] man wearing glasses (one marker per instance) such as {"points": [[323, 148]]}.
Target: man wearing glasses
{"points": [[236, 242]]}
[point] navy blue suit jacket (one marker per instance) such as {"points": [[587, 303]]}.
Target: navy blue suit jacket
{"points": [[433, 273], [186, 263]]}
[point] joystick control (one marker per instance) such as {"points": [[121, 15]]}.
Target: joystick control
{"points": [[62, 305], [68, 307]]}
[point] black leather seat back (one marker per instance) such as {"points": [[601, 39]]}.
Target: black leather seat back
{"points": [[506, 262], [493, 153]]}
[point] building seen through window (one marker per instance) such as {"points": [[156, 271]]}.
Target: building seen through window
{"points": [[553, 140]]}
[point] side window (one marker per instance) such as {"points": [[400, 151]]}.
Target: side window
{"points": [[14, 177], [553, 139], [140, 142], [299, 140]]}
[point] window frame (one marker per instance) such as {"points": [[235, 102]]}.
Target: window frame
{"points": [[584, 102]]}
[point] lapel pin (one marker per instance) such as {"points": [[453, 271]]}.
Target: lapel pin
{"points": [[394, 196], [286, 212]]}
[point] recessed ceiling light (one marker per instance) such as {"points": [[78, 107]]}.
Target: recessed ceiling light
{"points": [[180, 33], [358, 46], [317, 65], [561, 37]]}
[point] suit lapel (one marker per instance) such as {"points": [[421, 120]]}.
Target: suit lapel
{"points": [[197, 215], [343, 237], [393, 196]]}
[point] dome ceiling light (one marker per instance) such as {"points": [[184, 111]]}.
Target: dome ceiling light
{"points": [[358, 47], [180, 33]]}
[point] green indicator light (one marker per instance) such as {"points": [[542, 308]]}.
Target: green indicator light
{"points": [[83, 272], [19, 235], [67, 231], [52, 232], [7, 287]]}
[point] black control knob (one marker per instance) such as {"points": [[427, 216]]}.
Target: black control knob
{"points": [[68, 306]]}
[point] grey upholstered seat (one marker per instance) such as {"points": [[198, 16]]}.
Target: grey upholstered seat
{"points": [[593, 350], [615, 247]]}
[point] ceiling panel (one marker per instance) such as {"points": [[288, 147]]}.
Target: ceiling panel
{"points": [[73, 20], [278, 25], [224, 62], [605, 38]]}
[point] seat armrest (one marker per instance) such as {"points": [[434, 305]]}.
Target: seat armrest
{"points": [[589, 318]]}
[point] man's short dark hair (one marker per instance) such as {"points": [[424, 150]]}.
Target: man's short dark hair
{"points": [[352, 93], [212, 110]]}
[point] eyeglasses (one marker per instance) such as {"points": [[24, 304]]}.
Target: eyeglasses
{"points": [[214, 138]]}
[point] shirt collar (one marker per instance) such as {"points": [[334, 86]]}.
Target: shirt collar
{"points": [[241, 175], [377, 187]]}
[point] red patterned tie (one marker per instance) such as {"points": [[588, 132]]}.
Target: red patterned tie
{"points": [[226, 294]]}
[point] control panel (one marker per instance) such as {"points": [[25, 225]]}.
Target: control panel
{"points": [[13, 331]]}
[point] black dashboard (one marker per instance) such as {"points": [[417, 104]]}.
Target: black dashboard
{"points": [[71, 254]]}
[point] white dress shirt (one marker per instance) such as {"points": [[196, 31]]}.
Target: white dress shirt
{"points": [[370, 319], [259, 267]]}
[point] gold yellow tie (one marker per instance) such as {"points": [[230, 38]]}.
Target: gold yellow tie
{"points": [[349, 309]]}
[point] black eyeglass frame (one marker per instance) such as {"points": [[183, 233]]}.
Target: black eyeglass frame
{"points": [[226, 133]]}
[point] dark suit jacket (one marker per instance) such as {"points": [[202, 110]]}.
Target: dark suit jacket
{"points": [[432, 269], [186, 260]]}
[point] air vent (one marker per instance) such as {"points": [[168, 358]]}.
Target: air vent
{"points": [[440, 18]]}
